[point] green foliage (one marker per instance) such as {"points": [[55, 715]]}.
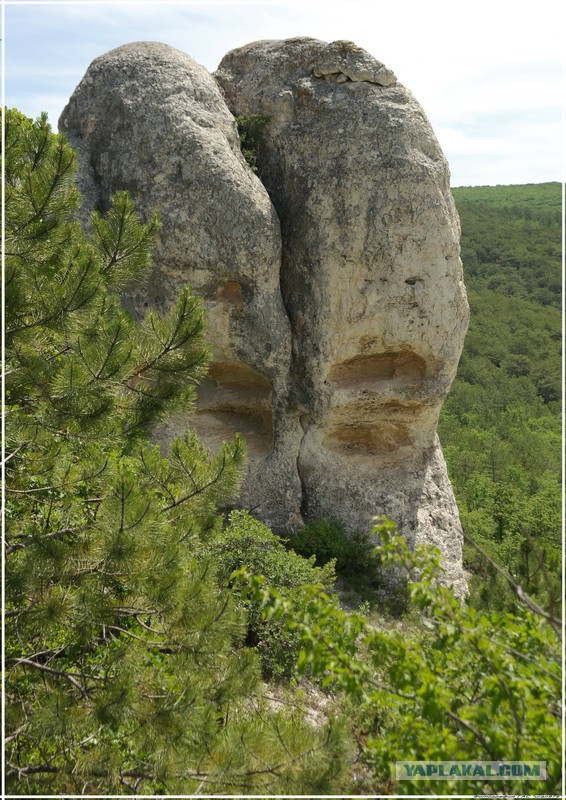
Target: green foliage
{"points": [[511, 239], [544, 198], [459, 685], [247, 543], [500, 426], [360, 578], [132, 666], [250, 129], [125, 666], [325, 539]]}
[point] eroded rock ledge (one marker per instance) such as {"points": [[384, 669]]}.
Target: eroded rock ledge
{"points": [[333, 282]]}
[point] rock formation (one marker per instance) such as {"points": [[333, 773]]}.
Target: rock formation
{"points": [[149, 119], [337, 378]]}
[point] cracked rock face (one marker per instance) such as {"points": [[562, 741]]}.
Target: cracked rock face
{"points": [[336, 305]]}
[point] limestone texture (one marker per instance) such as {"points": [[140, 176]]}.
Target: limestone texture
{"points": [[337, 309], [149, 119], [371, 279]]}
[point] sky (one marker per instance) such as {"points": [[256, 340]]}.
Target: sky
{"points": [[489, 74]]}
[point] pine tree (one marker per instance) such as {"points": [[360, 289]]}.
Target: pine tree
{"points": [[125, 670]]}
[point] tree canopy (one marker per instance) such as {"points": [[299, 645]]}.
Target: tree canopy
{"points": [[126, 669], [154, 642], [500, 425]]}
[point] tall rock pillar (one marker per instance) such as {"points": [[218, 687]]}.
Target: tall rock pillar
{"points": [[149, 119], [371, 278]]}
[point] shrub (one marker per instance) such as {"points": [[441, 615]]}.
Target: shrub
{"points": [[465, 685], [363, 581], [248, 543], [250, 130], [325, 539]]}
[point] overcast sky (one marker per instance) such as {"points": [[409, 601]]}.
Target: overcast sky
{"points": [[488, 73]]}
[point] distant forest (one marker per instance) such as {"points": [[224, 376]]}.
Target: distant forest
{"points": [[500, 426]]}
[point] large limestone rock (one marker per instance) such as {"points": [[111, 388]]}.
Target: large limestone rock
{"points": [[371, 279], [149, 119], [338, 385]]}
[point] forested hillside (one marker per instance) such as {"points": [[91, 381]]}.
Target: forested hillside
{"points": [[155, 645], [500, 425]]}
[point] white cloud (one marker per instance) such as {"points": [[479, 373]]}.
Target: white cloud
{"points": [[486, 74], [522, 156]]}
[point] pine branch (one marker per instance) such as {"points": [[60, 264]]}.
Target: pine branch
{"points": [[133, 635], [60, 486], [16, 733], [61, 170], [60, 673], [554, 622], [15, 452], [44, 537], [198, 490]]}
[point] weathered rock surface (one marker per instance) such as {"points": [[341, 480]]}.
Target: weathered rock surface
{"points": [[343, 60], [149, 119], [338, 387], [371, 279]]}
